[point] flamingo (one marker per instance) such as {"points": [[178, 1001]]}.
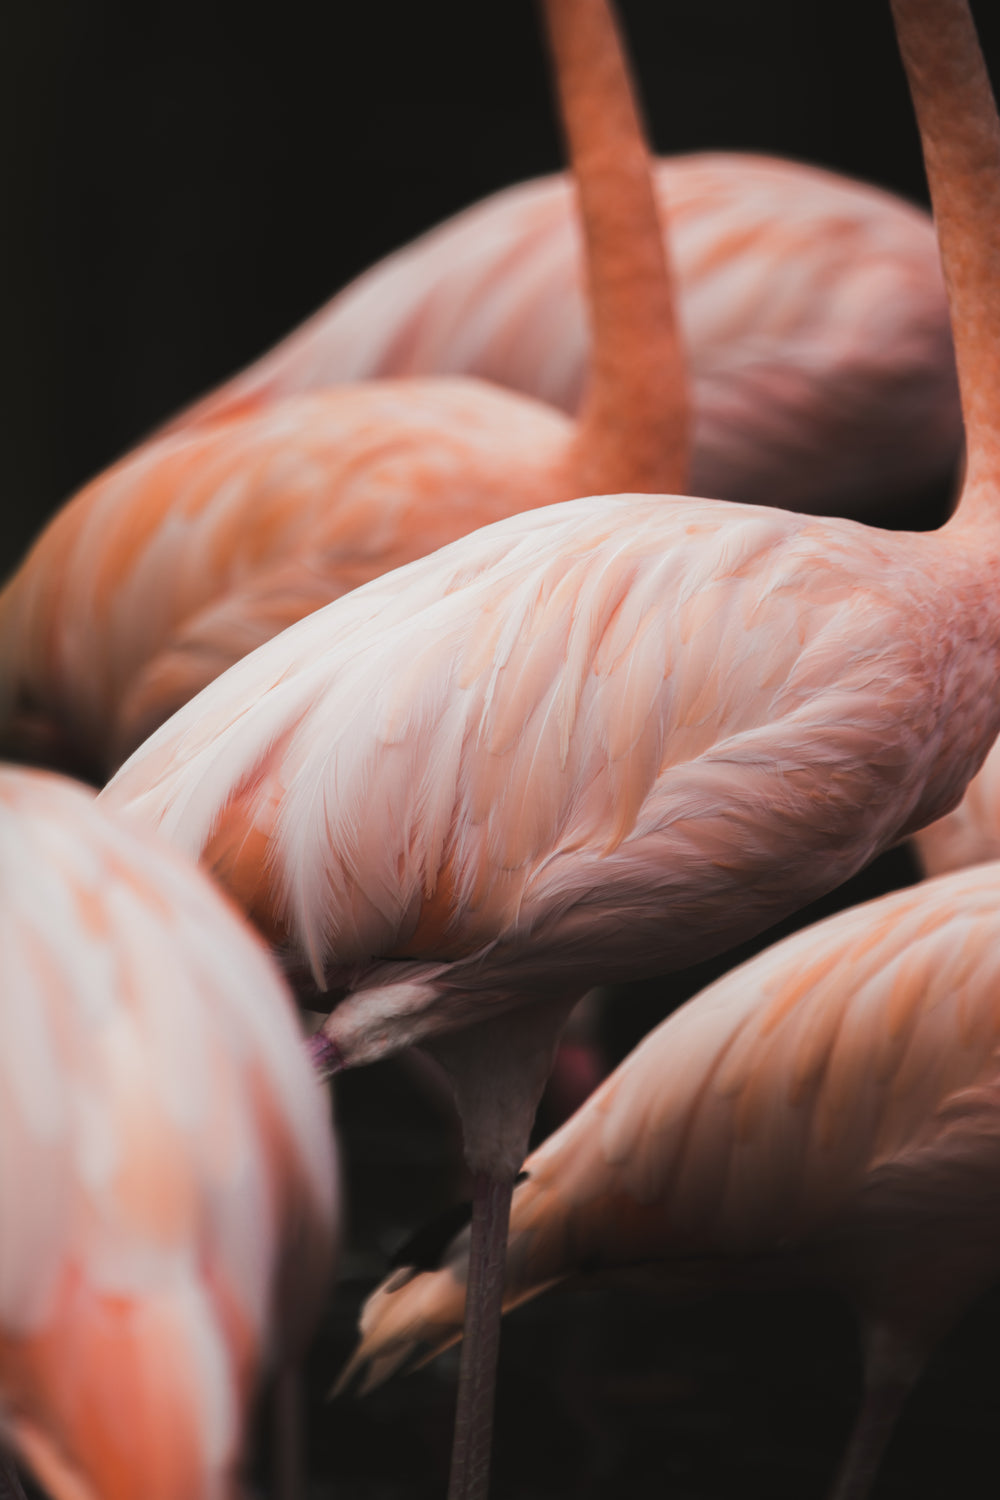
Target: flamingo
{"points": [[812, 306], [205, 543], [167, 1178], [603, 738], [829, 1111]]}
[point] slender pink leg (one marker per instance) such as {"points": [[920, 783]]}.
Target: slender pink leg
{"points": [[498, 1069], [470, 1455]]}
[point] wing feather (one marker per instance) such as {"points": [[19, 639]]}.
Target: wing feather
{"points": [[565, 724]]}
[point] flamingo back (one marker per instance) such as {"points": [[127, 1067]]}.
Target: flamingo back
{"points": [[560, 746], [813, 313]]}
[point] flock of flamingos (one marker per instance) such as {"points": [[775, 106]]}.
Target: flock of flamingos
{"points": [[413, 638]]}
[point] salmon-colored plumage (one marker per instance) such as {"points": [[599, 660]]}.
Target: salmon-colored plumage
{"points": [[812, 308], [202, 546], [207, 542], [567, 745], [828, 1112], [167, 1184]]}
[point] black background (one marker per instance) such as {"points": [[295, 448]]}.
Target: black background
{"points": [[181, 184]]}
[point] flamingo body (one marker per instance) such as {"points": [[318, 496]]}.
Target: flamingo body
{"points": [[166, 1170], [829, 1111], [194, 550], [560, 749], [812, 307]]}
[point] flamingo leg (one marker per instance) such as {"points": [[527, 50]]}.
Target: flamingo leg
{"points": [[498, 1070], [470, 1457]]}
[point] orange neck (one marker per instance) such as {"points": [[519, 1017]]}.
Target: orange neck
{"points": [[633, 430], [960, 134]]}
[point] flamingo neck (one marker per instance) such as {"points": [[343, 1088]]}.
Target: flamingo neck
{"points": [[633, 431], [960, 135]]}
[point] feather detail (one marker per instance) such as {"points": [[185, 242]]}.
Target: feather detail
{"points": [[528, 777]]}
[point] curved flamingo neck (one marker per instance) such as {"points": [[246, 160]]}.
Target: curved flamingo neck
{"points": [[960, 134], [633, 430]]}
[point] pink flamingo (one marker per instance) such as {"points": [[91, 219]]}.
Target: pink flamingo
{"points": [[166, 1166], [603, 738], [813, 312], [829, 1111], [189, 553]]}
